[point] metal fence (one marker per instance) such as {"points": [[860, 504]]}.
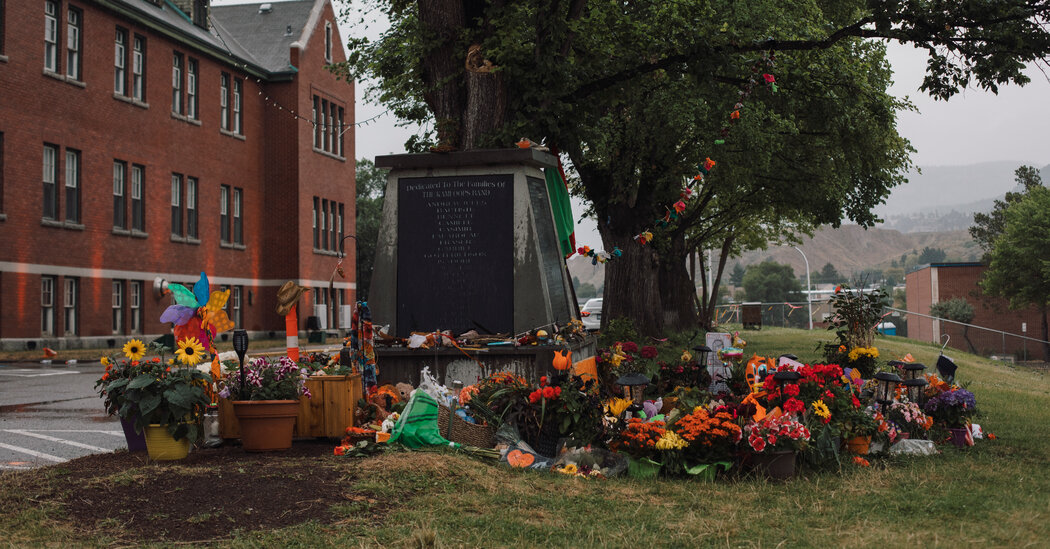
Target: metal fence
{"points": [[958, 335]]}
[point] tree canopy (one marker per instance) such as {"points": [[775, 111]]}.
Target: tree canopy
{"points": [[638, 94], [371, 188], [1017, 267], [987, 227], [771, 282]]}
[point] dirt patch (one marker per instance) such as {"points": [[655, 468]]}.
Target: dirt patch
{"points": [[208, 495]]}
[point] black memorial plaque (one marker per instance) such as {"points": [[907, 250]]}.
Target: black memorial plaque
{"points": [[455, 246]]}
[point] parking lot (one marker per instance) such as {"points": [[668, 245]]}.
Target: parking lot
{"points": [[50, 414]]}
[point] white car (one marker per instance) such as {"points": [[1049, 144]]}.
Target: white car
{"points": [[591, 314]]}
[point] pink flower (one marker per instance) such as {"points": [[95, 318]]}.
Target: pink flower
{"points": [[649, 351]]}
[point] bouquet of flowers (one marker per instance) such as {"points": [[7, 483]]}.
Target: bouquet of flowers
{"points": [[638, 439], [909, 419], [953, 408], [112, 386], [265, 379], [777, 434], [710, 436]]}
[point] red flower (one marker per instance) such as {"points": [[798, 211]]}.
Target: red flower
{"points": [[856, 403], [861, 461], [758, 444], [649, 351], [791, 390], [828, 395], [156, 359], [794, 405], [548, 392], [772, 439], [339, 450], [629, 347], [543, 380], [534, 396], [557, 391]]}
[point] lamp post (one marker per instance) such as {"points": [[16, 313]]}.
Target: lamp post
{"points": [[331, 281], [886, 388], [809, 289], [240, 346], [701, 361]]}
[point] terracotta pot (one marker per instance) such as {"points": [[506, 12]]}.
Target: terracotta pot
{"points": [[266, 425], [859, 445], [161, 446], [775, 465]]}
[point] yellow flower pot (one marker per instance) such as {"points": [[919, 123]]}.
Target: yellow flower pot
{"points": [[161, 446]]}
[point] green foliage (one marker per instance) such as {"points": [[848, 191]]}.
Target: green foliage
{"points": [[931, 255], [174, 397], [736, 276], [618, 329], [771, 282], [828, 274], [957, 309], [857, 313], [988, 227], [1017, 269], [371, 188]]}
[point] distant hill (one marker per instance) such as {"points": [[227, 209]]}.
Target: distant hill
{"points": [[944, 198]]}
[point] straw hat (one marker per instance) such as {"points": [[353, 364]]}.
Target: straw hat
{"points": [[288, 295]]}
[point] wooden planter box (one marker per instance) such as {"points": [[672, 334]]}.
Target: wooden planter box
{"points": [[327, 414]]}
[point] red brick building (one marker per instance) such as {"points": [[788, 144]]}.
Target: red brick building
{"points": [[934, 283], [144, 141]]}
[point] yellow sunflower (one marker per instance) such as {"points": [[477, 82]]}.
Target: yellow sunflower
{"points": [[134, 350], [104, 360], [190, 351], [821, 409]]}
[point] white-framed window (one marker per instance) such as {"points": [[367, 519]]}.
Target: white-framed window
{"points": [[235, 305], [138, 69], [324, 124], [138, 204], [118, 306], [73, 45], [238, 224], [176, 83], [135, 303], [339, 131], [191, 207], [324, 224], [176, 204], [328, 41], [191, 88], [120, 62], [51, 35], [120, 170], [339, 227], [50, 181], [72, 186], [317, 235], [317, 123], [331, 128], [224, 213], [47, 305], [70, 306], [331, 223], [238, 85], [224, 101]]}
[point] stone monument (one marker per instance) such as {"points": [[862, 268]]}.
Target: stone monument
{"points": [[468, 242]]}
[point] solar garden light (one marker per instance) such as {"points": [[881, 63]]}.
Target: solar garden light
{"points": [[701, 352], [915, 381], [886, 388], [787, 377], [634, 386], [240, 346]]}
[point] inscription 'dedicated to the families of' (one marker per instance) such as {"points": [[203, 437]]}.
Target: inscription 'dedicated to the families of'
{"points": [[455, 239]]}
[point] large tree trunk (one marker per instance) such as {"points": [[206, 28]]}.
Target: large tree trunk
{"points": [[709, 300], [677, 292], [443, 67], [486, 100], [631, 283]]}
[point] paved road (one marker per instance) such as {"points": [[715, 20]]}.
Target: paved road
{"points": [[51, 413]]}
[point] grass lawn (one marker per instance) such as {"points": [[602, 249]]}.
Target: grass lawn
{"points": [[995, 494]]}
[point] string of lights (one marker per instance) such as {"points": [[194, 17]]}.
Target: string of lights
{"points": [[271, 101]]}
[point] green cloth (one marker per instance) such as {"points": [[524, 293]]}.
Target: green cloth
{"points": [[418, 425], [562, 209]]}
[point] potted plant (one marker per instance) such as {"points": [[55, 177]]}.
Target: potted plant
{"points": [[858, 427], [170, 401], [267, 402], [953, 409], [774, 443], [711, 438], [638, 440], [908, 418], [112, 388]]}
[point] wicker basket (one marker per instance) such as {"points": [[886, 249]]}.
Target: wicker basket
{"points": [[471, 434], [444, 413]]}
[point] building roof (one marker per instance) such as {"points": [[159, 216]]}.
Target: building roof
{"points": [[939, 265], [257, 41], [266, 34]]}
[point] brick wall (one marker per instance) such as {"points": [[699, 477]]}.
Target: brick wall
{"points": [[277, 175]]}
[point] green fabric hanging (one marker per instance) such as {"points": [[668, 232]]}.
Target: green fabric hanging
{"points": [[562, 209]]}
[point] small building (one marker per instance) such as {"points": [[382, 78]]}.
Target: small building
{"points": [[144, 141], [937, 282]]}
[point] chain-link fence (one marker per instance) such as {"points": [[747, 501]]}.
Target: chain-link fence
{"points": [[781, 315]]}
